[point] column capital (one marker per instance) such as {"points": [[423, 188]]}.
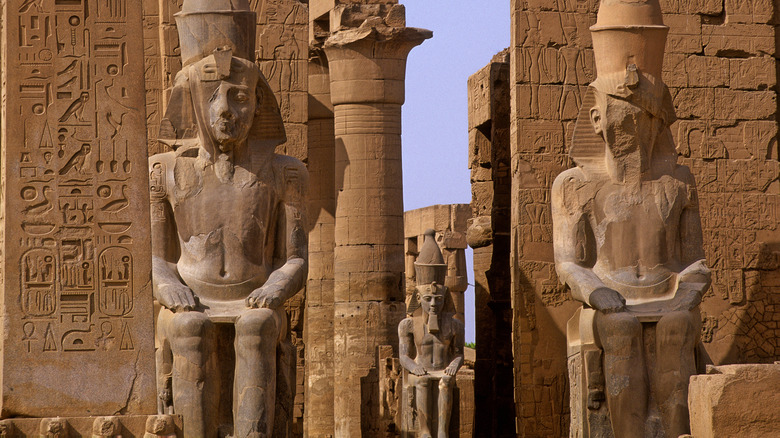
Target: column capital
{"points": [[368, 63]]}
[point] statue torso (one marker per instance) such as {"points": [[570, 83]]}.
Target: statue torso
{"points": [[226, 229], [434, 351], [637, 234]]}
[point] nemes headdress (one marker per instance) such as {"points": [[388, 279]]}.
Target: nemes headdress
{"points": [[629, 38], [211, 33]]}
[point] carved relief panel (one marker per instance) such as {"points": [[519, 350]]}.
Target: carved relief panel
{"points": [[76, 283]]}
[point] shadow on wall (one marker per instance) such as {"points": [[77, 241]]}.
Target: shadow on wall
{"points": [[752, 325]]}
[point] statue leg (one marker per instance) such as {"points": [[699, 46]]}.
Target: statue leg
{"points": [[423, 389], [254, 387], [445, 404], [676, 336], [620, 336], [191, 337]]}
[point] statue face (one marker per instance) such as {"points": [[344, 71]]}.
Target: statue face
{"points": [[230, 106], [431, 301], [625, 127]]}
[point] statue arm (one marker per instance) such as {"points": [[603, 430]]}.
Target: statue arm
{"points": [[168, 288], [405, 345], [574, 251], [458, 344], [291, 248], [695, 278]]}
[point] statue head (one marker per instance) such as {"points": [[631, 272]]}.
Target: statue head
{"points": [[220, 99], [627, 110], [431, 298], [226, 98]]}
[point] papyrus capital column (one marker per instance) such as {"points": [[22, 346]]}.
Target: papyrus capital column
{"points": [[367, 72]]}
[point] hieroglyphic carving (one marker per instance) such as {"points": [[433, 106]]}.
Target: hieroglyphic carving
{"points": [[76, 177]]}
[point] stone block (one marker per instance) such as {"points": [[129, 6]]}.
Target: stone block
{"points": [[735, 401]]}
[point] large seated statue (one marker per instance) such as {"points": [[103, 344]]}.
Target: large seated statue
{"points": [[431, 345], [228, 238], [627, 236]]}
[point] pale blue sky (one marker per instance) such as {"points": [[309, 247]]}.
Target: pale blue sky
{"points": [[466, 35]]}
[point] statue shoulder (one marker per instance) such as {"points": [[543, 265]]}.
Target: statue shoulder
{"points": [[570, 177], [292, 177], [565, 193], [406, 325]]}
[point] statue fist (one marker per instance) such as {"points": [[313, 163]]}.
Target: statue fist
{"points": [[265, 297], [688, 296], [176, 297], [607, 300]]}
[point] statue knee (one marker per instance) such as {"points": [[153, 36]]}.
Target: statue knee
{"points": [[189, 325], [258, 322], [445, 382], [618, 331], [675, 329], [422, 383]]}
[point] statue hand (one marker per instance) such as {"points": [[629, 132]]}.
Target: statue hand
{"points": [[607, 300], [418, 371], [176, 297], [451, 370], [687, 297], [265, 297]]}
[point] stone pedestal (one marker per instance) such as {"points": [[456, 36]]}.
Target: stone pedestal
{"points": [[76, 300], [735, 401], [140, 426], [367, 71]]}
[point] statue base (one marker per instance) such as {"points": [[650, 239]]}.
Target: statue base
{"points": [[125, 426]]}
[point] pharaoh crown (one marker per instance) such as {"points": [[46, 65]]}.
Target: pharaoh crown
{"points": [[207, 25], [430, 265]]}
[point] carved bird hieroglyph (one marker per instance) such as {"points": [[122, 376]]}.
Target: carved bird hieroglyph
{"points": [[77, 160]]}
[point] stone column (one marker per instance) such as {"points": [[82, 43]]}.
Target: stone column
{"points": [[367, 71], [318, 330]]}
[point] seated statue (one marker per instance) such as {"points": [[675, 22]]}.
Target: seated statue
{"points": [[431, 342], [627, 232], [228, 238]]}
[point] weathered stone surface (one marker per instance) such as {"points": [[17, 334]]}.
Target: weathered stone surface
{"points": [[76, 307], [489, 235], [736, 401]]}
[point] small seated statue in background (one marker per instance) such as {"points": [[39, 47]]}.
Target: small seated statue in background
{"points": [[228, 238], [627, 232], [431, 342]]}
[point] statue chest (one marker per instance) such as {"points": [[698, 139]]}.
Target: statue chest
{"points": [[433, 349], [240, 209], [637, 228]]}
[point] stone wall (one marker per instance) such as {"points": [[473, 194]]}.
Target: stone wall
{"points": [[720, 66], [489, 236]]}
